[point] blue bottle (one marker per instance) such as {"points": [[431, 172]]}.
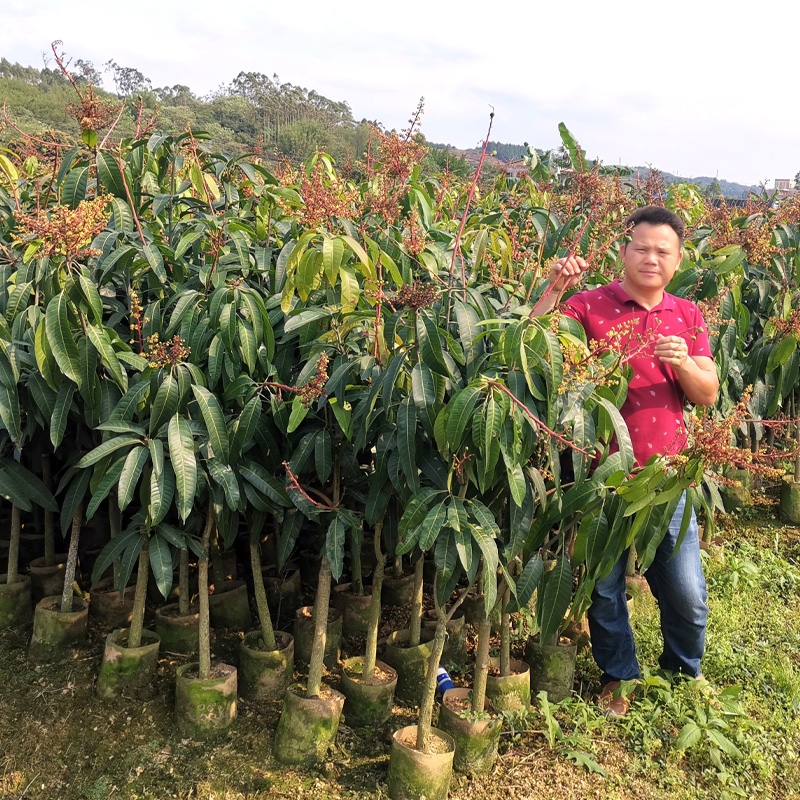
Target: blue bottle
{"points": [[443, 681]]}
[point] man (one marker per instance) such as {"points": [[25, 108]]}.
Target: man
{"points": [[676, 367]]}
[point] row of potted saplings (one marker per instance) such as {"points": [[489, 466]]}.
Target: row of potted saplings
{"points": [[469, 726]]}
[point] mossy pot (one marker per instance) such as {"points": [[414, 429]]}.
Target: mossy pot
{"points": [[107, 607], [790, 500], [283, 593], [398, 591], [265, 674], [738, 496], [476, 740], [552, 668], [414, 774], [410, 663], [367, 703], [47, 581], [180, 633], [15, 601], [308, 725], [127, 670], [304, 635], [509, 692], [475, 607], [229, 606], [54, 631], [455, 647], [205, 707], [354, 607]]}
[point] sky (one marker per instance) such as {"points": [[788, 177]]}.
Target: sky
{"points": [[691, 87]]}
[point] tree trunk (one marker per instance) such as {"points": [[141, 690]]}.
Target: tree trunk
{"points": [[505, 635], [429, 689], [184, 601], [267, 632], [321, 603], [72, 560], [13, 547], [630, 567], [481, 664], [140, 595], [202, 589], [49, 517], [371, 653], [113, 526], [398, 566], [217, 566], [415, 625], [356, 539]]}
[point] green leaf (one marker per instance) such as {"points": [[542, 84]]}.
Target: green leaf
{"points": [[621, 431], [299, 412], [59, 337], [184, 464], [112, 551], [332, 252], [165, 404], [214, 421], [406, 442], [131, 472], [129, 402], [107, 482], [554, 599], [106, 448], [459, 415], [264, 482], [73, 189], [129, 558], [10, 412], [431, 525], [430, 346], [223, 475], [528, 582], [109, 174], [422, 386], [334, 546], [102, 343], [162, 490], [161, 564], [781, 352], [245, 427], [92, 297], [688, 737], [74, 496]]}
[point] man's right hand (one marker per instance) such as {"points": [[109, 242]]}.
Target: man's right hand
{"points": [[566, 272]]}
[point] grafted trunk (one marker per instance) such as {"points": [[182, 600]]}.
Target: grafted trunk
{"points": [[140, 594], [72, 560], [262, 605], [371, 653], [321, 604], [204, 621], [415, 626]]}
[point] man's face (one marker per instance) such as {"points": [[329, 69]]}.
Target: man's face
{"points": [[651, 257]]}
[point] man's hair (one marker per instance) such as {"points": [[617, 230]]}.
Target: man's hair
{"points": [[655, 215]]}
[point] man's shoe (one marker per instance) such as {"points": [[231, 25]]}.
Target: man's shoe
{"points": [[613, 703]]}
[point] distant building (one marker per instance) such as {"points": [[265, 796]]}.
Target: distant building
{"points": [[785, 187]]}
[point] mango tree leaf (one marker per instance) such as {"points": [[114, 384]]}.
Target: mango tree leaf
{"points": [[131, 472], [407, 441], [184, 464], [334, 546], [214, 421], [107, 482], [106, 448], [60, 339], [554, 599]]}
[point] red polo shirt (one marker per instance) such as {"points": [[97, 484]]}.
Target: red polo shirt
{"points": [[653, 409]]}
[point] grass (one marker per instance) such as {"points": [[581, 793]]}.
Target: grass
{"points": [[680, 741]]}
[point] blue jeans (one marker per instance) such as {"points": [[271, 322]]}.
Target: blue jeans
{"points": [[678, 584]]}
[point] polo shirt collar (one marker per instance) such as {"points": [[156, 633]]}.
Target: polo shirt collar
{"points": [[618, 293]]}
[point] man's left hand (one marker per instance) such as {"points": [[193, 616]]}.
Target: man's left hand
{"points": [[672, 350]]}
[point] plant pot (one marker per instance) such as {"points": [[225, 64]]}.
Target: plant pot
{"points": [[455, 648], [636, 586], [308, 725], [180, 633], [411, 663], [304, 635], [206, 707], [476, 740], [229, 606], [737, 497], [398, 591], [509, 692], [414, 774], [368, 703], [107, 607], [55, 631], [355, 609], [15, 601], [265, 674], [552, 668], [283, 594], [790, 500], [473, 606], [31, 546], [47, 581], [127, 670]]}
